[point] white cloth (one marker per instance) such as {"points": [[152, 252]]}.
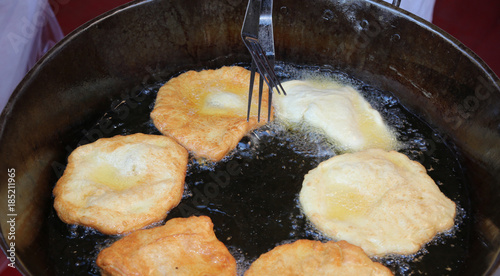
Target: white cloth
{"points": [[421, 8], [28, 29]]}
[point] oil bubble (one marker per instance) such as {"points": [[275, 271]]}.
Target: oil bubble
{"points": [[364, 24], [328, 15], [395, 38], [284, 10]]}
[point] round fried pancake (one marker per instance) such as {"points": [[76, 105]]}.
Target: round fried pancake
{"points": [[306, 257], [183, 246], [338, 111], [123, 183], [206, 111], [378, 200]]}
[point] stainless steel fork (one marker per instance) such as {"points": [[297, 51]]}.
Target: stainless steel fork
{"points": [[257, 34]]}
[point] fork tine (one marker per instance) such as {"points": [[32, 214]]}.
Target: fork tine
{"points": [[257, 26], [264, 65], [269, 104], [261, 87], [273, 80], [261, 61], [250, 92], [282, 89]]}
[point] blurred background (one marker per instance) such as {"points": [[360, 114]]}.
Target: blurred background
{"points": [[476, 24]]}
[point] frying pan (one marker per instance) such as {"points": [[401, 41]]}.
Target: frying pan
{"points": [[105, 62]]}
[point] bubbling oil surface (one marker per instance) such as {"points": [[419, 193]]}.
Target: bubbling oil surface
{"points": [[252, 194]]}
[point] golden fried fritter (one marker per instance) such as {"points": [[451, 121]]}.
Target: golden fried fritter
{"points": [[183, 246], [123, 183], [306, 257], [378, 200], [206, 111]]}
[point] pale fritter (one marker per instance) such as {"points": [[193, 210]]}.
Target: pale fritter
{"points": [[378, 200], [183, 246], [338, 111], [306, 257], [206, 111], [121, 184]]}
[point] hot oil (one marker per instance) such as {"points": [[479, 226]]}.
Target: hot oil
{"points": [[252, 194]]}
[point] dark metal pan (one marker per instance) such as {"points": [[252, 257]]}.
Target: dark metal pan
{"points": [[104, 65]]}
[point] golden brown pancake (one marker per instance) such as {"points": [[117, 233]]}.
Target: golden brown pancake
{"points": [[121, 184], [206, 111], [183, 246], [378, 200], [306, 257]]}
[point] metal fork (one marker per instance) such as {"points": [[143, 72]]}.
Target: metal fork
{"points": [[257, 34]]}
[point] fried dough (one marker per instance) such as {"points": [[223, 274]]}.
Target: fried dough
{"points": [[306, 257], [121, 184], [183, 246], [206, 111], [378, 200], [338, 111]]}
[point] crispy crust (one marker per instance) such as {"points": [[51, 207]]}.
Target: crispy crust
{"points": [[206, 111], [121, 184], [183, 246], [306, 257], [378, 200]]}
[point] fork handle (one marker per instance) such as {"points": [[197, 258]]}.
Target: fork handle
{"points": [[266, 37]]}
